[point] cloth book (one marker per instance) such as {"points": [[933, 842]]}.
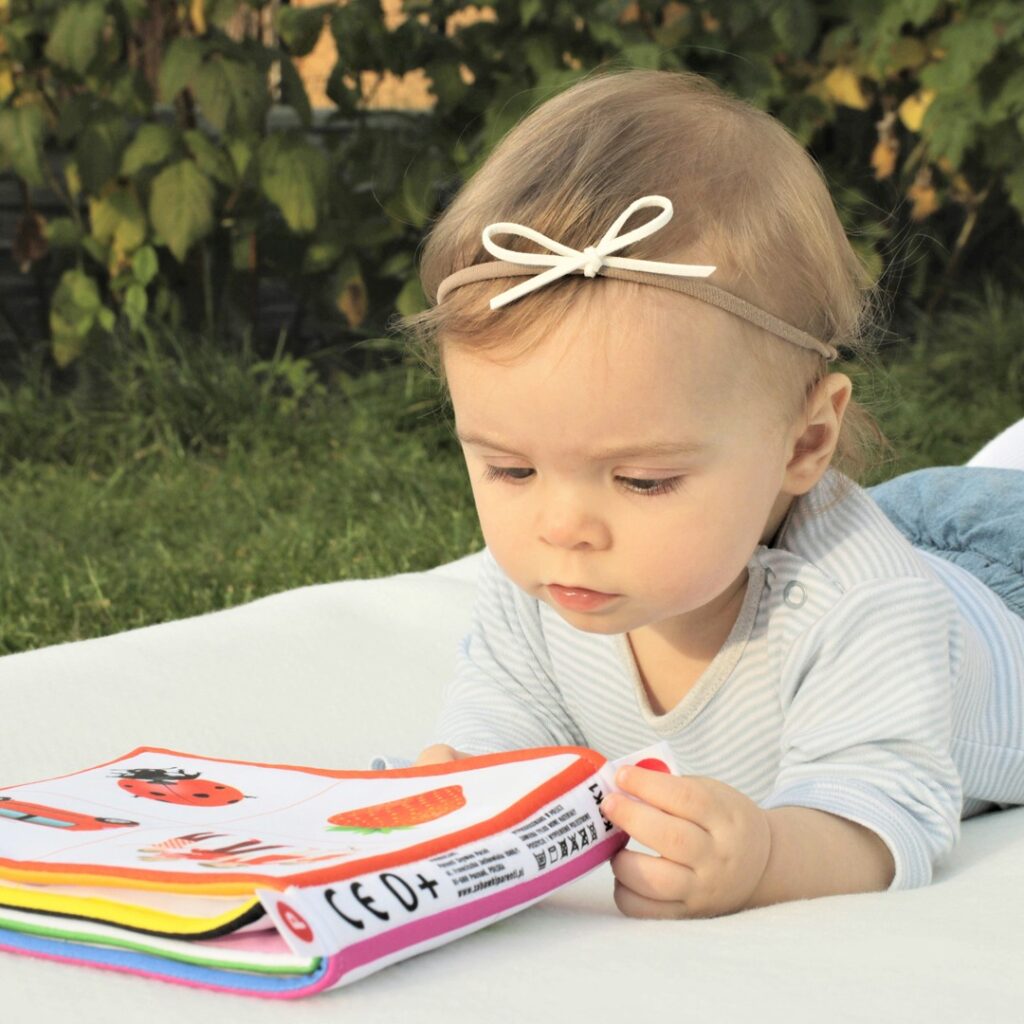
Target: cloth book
{"points": [[282, 881]]}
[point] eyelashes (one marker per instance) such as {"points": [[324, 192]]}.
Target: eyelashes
{"points": [[647, 488]]}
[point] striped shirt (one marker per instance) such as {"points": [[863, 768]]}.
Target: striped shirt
{"points": [[863, 677]]}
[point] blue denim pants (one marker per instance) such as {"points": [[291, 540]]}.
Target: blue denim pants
{"points": [[971, 515]]}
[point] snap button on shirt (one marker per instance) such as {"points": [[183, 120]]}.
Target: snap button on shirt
{"points": [[794, 595]]}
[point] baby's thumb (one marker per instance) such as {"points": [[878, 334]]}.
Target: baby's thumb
{"points": [[439, 753]]}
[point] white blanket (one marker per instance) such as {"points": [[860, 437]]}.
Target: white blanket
{"points": [[333, 674]]}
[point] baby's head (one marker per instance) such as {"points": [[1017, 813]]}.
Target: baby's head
{"points": [[585, 363], [747, 199]]}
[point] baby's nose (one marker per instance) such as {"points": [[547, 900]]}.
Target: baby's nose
{"points": [[570, 525]]}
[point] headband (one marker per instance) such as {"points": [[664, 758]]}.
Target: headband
{"points": [[597, 259]]}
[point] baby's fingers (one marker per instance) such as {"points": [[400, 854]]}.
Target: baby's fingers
{"points": [[439, 753], [677, 839], [648, 886], [691, 797]]}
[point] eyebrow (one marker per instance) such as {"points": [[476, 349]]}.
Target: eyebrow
{"points": [[603, 454]]}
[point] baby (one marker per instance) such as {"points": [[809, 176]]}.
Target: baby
{"points": [[665, 471]]}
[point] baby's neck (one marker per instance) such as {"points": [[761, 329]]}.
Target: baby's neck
{"points": [[776, 519], [670, 663]]}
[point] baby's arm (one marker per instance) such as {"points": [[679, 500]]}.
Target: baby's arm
{"points": [[814, 853], [867, 796]]}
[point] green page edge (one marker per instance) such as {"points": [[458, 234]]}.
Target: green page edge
{"points": [[141, 947]]}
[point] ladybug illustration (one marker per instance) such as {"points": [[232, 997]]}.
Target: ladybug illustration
{"points": [[175, 786]]}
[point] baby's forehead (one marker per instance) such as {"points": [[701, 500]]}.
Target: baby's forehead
{"points": [[639, 370], [642, 335]]}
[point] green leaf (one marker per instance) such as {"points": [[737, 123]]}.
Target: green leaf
{"points": [[243, 250], [21, 141], [805, 114], [181, 206], [220, 12], [76, 35], [795, 23], [153, 144], [969, 46], [411, 298], [73, 310], [836, 45], [418, 196], [905, 53], [1010, 98], [300, 27], [96, 250], [541, 54], [398, 266], [528, 10], [63, 233], [179, 66], [949, 125], [65, 345], [145, 264], [98, 150], [135, 304], [606, 32], [446, 82], [232, 96], [117, 220], [213, 161], [293, 176], [240, 151], [134, 8], [293, 90], [643, 55], [1014, 182], [322, 254], [82, 290], [917, 12]]}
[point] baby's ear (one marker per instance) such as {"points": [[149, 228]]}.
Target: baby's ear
{"points": [[816, 434]]}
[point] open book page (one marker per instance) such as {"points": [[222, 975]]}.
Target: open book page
{"points": [[175, 822]]}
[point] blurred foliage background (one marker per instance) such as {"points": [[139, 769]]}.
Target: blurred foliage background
{"points": [[209, 214], [186, 175]]}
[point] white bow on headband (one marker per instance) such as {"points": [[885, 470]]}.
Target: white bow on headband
{"points": [[592, 258], [563, 260]]}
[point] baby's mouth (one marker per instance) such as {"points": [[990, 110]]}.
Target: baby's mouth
{"points": [[579, 598]]}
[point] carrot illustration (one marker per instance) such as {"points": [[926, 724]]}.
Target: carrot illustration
{"points": [[404, 813]]}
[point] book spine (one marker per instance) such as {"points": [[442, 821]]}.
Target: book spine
{"points": [[379, 918]]}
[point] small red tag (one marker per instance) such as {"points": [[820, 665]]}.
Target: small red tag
{"points": [[295, 921]]}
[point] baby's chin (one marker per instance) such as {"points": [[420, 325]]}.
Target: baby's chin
{"points": [[602, 623]]}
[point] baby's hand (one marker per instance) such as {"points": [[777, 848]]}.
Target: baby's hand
{"points": [[713, 840], [439, 753]]}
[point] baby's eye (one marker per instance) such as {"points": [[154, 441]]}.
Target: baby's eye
{"points": [[635, 486], [665, 486], [503, 473]]}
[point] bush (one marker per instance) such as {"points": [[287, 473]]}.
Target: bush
{"points": [[193, 173]]}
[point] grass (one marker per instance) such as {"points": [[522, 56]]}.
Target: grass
{"points": [[122, 519], [180, 480]]}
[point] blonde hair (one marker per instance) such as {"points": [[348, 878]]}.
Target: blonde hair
{"points": [[747, 198]]}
